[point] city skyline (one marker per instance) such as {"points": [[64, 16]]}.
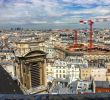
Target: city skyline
{"points": [[52, 13]]}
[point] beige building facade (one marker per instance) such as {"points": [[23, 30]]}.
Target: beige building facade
{"points": [[98, 74], [108, 72], [85, 73]]}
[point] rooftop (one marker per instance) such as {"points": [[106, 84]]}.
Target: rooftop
{"points": [[102, 84], [7, 84], [97, 96], [81, 51]]}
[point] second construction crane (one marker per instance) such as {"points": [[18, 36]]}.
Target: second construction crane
{"points": [[90, 22]]}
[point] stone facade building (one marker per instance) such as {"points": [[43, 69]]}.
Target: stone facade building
{"points": [[31, 69]]}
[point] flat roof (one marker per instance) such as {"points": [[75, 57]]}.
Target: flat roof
{"points": [[81, 52]]}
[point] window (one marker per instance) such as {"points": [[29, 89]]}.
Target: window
{"points": [[60, 75], [25, 84], [63, 71], [56, 75], [23, 70], [63, 76]]}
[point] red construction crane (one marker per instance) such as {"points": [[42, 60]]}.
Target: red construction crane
{"points": [[75, 35], [90, 22], [75, 38]]}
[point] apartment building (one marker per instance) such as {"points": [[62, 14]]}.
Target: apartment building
{"points": [[48, 47], [98, 74], [66, 37], [84, 87], [77, 61], [49, 71], [73, 73], [108, 71], [102, 86], [85, 73], [62, 69]]}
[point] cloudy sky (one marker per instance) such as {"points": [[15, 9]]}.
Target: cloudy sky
{"points": [[52, 13]]}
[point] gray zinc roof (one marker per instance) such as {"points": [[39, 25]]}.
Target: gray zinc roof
{"points": [[102, 84]]}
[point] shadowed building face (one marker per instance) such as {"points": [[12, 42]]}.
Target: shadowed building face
{"points": [[7, 84]]}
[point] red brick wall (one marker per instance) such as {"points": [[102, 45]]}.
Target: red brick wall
{"points": [[102, 89]]}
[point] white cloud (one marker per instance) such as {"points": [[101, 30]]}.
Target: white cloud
{"points": [[58, 22], [64, 22], [46, 11], [98, 10], [87, 2], [38, 22]]}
